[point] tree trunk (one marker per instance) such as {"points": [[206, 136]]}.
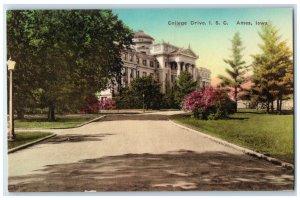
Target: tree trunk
{"points": [[235, 98], [51, 113], [280, 105], [268, 107], [272, 106], [277, 105]]}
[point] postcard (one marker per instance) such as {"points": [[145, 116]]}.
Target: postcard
{"points": [[161, 99]]}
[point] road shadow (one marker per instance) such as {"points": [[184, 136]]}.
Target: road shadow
{"points": [[77, 138], [172, 171], [135, 117]]}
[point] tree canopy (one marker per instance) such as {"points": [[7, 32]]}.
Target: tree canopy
{"points": [[63, 56], [147, 91], [237, 69], [184, 85], [272, 69]]}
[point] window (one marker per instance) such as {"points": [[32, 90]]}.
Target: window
{"points": [[144, 74], [138, 60], [151, 63], [166, 64], [125, 56], [131, 57], [145, 62], [151, 74], [138, 74]]}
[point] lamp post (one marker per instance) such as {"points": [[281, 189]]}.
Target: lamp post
{"points": [[11, 66]]}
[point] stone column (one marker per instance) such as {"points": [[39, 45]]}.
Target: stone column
{"points": [[170, 78], [128, 75], [164, 81], [178, 68], [195, 73]]}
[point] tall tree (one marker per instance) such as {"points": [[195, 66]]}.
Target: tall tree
{"points": [[273, 69], [71, 53], [235, 74], [19, 49], [184, 85], [146, 91]]}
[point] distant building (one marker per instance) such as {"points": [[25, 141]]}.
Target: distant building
{"points": [[163, 61]]}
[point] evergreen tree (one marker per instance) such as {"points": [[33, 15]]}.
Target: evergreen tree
{"points": [[184, 85], [237, 69], [146, 91], [272, 69]]}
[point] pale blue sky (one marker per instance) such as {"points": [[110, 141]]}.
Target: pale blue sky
{"points": [[211, 43]]}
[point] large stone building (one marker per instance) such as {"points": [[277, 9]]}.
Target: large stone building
{"points": [[163, 61]]}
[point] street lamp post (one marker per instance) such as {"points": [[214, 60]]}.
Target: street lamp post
{"points": [[11, 66]]}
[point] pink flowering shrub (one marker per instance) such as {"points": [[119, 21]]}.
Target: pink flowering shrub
{"points": [[94, 105], [91, 105], [208, 103], [107, 104]]}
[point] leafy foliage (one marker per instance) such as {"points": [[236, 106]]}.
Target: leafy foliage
{"points": [[144, 90], [107, 104], [92, 105], [64, 56], [184, 85], [209, 103], [168, 100], [272, 69], [237, 69]]}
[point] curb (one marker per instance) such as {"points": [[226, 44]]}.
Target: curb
{"points": [[30, 144], [85, 123], [77, 126], [239, 148]]}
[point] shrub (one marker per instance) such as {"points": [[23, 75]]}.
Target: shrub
{"points": [[106, 104], [209, 103], [91, 105]]}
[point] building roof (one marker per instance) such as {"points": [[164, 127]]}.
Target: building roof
{"points": [[184, 51], [141, 34]]}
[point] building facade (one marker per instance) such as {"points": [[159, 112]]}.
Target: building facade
{"points": [[163, 61]]}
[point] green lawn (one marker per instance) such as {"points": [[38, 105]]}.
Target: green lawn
{"points": [[26, 137], [40, 121], [264, 133]]}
